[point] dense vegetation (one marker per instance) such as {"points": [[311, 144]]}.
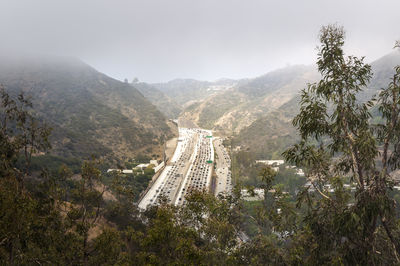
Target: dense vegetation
{"points": [[90, 113], [67, 219]]}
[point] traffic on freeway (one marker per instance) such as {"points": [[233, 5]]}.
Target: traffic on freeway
{"points": [[223, 163], [190, 168]]}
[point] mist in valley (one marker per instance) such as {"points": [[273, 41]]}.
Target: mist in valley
{"points": [[181, 132]]}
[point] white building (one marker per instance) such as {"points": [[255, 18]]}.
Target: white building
{"points": [[276, 169], [154, 162], [113, 170], [258, 194], [271, 162], [127, 171], [142, 165], [300, 172]]}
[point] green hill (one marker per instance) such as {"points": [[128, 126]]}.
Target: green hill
{"points": [[90, 113]]}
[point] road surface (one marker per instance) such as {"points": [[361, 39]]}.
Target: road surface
{"points": [[223, 163], [189, 168]]}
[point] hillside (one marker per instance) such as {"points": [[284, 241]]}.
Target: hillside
{"points": [[271, 134], [268, 136], [383, 72], [231, 110], [90, 113], [235, 107], [163, 102], [188, 91]]}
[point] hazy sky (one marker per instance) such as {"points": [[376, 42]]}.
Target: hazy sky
{"points": [[159, 40]]}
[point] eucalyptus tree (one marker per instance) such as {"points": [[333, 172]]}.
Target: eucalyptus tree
{"points": [[339, 144], [31, 224], [22, 134]]}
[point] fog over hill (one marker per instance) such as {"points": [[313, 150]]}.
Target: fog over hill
{"points": [[188, 91], [257, 110], [90, 113], [230, 105], [382, 70], [271, 134], [166, 104], [211, 132], [160, 40]]}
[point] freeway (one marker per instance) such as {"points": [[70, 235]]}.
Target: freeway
{"points": [[189, 168], [223, 162]]}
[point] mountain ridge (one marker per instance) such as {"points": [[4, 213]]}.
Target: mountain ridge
{"points": [[90, 112], [272, 133]]}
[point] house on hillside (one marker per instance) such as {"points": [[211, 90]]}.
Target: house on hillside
{"points": [[300, 172], [257, 195], [154, 162], [271, 162], [141, 167]]}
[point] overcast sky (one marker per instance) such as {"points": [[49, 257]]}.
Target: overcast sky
{"points": [[159, 40]]}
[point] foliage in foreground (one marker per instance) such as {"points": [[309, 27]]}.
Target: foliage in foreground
{"points": [[343, 227], [43, 221]]}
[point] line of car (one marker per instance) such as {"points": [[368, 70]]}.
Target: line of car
{"points": [[190, 168], [224, 175]]}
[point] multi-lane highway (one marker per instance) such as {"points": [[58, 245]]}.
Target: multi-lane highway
{"points": [[190, 168], [223, 162]]}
